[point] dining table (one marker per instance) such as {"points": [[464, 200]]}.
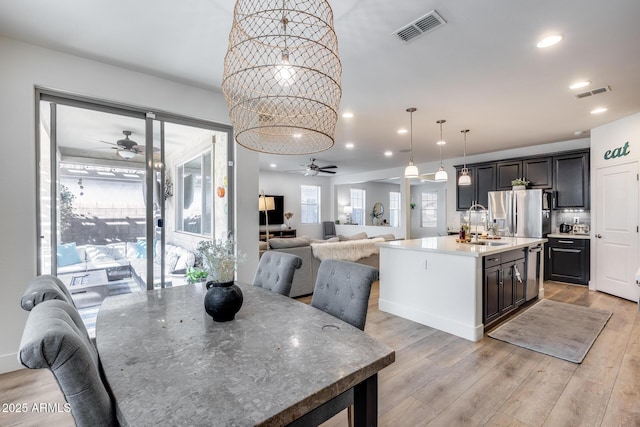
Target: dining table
{"points": [[279, 362]]}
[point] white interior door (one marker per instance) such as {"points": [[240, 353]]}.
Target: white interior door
{"points": [[616, 230]]}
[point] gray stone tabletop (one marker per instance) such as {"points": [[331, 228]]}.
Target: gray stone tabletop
{"points": [[168, 363]]}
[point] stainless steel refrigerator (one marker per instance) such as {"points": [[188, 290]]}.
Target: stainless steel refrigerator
{"points": [[520, 213]]}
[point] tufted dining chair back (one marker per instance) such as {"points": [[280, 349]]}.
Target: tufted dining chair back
{"points": [[44, 288], [342, 289], [55, 338], [275, 271]]}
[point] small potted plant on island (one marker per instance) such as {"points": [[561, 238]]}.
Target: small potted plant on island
{"points": [[224, 298], [519, 184]]}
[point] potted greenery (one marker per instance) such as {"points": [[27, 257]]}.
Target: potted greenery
{"points": [[519, 184], [195, 274]]}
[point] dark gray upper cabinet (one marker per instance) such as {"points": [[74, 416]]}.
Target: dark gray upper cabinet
{"points": [[506, 172], [571, 180], [538, 172], [485, 182]]}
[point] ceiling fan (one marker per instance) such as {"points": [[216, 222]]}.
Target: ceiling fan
{"points": [[126, 148], [312, 169]]}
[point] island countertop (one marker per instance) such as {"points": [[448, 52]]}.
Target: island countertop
{"points": [[448, 244]]}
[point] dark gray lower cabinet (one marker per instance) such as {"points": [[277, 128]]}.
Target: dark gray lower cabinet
{"points": [[567, 260], [504, 284]]}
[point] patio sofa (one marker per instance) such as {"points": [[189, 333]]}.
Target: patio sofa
{"points": [[125, 260]]}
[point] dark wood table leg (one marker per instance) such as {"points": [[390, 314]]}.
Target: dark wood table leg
{"points": [[365, 402]]}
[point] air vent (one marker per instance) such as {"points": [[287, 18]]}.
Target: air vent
{"points": [[593, 92], [420, 26]]}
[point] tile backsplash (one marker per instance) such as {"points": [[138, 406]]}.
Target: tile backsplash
{"points": [[567, 216]]}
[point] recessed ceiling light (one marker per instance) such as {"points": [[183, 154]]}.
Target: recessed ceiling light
{"points": [[578, 132], [580, 85], [347, 115], [402, 131], [441, 142], [349, 145], [297, 135], [599, 110], [273, 165], [549, 41], [388, 153]]}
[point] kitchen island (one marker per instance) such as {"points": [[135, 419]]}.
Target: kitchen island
{"points": [[438, 282]]}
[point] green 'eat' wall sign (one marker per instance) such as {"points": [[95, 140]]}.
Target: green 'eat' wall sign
{"points": [[617, 152]]}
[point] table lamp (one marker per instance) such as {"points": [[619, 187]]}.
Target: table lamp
{"points": [[348, 210]]}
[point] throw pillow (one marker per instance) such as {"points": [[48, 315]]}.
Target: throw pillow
{"points": [[294, 242], [67, 254], [99, 254], [141, 249], [358, 236]]}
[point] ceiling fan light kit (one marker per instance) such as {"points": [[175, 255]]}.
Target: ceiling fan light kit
{"points": [[126, 154], [282, 76], [411, 171]]}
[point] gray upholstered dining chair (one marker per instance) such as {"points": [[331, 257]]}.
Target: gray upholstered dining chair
{"points": [[328, 229], [43, 288], [342, 289], [275, 271], [55, 338]]}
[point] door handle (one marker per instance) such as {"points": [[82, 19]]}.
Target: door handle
{"points": [[599, 236]]}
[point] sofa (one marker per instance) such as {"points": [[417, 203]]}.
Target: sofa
{"points": [[357, 248]]}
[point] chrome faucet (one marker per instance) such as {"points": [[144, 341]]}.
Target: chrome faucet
{"points": [[477, 205]]}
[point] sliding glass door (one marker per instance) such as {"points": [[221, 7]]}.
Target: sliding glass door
{"points": [[125, 195]]}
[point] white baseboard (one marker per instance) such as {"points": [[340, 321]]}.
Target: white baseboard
{"points": [[9, 363], [452, 326]]}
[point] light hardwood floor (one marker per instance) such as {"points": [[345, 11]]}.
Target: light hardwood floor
{"points": [[442, 380]]}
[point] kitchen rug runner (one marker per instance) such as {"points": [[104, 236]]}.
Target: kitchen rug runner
{"points": [[561, 330]]}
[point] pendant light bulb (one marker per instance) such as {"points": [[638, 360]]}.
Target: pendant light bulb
{"points": [[411, 171], [464, 178], [441, 174]]}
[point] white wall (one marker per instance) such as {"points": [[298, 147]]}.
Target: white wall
{"points": [[288, 185], [25, 66]]}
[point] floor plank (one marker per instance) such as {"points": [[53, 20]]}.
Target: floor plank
{"points": [[440, 379]]}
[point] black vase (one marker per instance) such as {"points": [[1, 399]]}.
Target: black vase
{"points": [[222, 301]]}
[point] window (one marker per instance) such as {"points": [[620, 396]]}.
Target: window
{"points": [[193, 210], [429, 209], [310, 204], [394, 208], [357, 206]]}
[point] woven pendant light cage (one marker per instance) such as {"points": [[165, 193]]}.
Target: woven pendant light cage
{"points": [[282, 76]]}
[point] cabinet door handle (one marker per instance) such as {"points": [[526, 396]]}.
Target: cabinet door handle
{"points": [[549, 250], [566, 241]]}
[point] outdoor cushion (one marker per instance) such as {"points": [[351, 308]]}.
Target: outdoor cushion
{"points": [[67, 254]]}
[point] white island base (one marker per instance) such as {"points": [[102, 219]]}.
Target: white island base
{"points": [[438, 282]]}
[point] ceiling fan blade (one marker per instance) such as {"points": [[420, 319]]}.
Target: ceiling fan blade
{"points": [[110, 143], [328, 167], [323, 171]]}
